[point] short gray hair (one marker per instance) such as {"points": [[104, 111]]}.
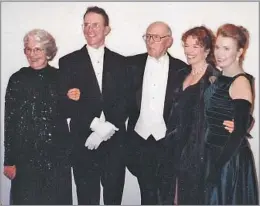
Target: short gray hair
{"points": [[45, 39]]}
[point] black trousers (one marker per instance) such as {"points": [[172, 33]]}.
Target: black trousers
{"points": [[101, 165], [145, 156]]}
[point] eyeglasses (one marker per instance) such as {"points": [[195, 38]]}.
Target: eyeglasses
{"points": [[35, 50], [155, 37], [94, 26]]}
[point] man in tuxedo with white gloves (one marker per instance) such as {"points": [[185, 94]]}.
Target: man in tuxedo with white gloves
{"points": [[94, 83]]}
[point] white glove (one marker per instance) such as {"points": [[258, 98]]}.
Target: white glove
{"points": [[113, 130], [104, 129], [93, 141]]}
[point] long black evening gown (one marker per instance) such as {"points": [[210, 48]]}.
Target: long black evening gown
{"points": [[37, 139], [183, 157], [237, 181]]}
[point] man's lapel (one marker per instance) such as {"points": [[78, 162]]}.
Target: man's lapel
{"points": [[170, 87], [88, 71], [141, 68]]}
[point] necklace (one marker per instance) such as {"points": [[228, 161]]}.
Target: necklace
{"points": [[199, 71]]}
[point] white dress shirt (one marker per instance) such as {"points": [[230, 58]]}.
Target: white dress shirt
{"points": [[97, 60], [151, 121]]}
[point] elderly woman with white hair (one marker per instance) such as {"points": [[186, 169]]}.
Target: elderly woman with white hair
{"points": [[36, 132]]}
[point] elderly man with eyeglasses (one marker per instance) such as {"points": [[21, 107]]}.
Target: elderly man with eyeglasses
{"points": [[156, 76]]}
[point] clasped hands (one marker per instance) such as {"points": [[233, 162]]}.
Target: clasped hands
{"points": [[102, 131]]}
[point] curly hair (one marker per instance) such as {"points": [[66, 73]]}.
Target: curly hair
{"points": [[46, 40], [205, 38]]}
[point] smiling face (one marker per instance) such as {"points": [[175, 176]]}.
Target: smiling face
{"points": [[35, 54], [194, 52], [94, 29], [226, 52]]}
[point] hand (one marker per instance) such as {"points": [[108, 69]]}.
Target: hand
{"points": [[229, 125], [114, 129], [74, 94], [10, 172], [104, 129], [93, 141], [107, 137]]}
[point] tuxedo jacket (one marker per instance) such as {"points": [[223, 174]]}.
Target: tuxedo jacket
{"points": [[136, 66], [76, 71]]}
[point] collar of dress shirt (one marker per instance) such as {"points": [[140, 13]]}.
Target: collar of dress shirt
{"points": [[162, 60], [93, 52]]}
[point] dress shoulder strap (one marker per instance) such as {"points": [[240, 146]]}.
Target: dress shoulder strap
{"points": [[248, 76]]}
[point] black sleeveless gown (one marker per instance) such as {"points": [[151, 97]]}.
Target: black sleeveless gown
{"points": [[238, 182]]}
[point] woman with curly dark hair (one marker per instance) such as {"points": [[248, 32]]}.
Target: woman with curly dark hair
{"points": [[182, 165]]}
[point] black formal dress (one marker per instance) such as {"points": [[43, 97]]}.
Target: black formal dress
{"points": [[228, 156], [183, 157], [37, 139]]}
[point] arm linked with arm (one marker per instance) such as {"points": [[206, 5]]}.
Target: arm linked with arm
{"points": [[67, 107]]}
